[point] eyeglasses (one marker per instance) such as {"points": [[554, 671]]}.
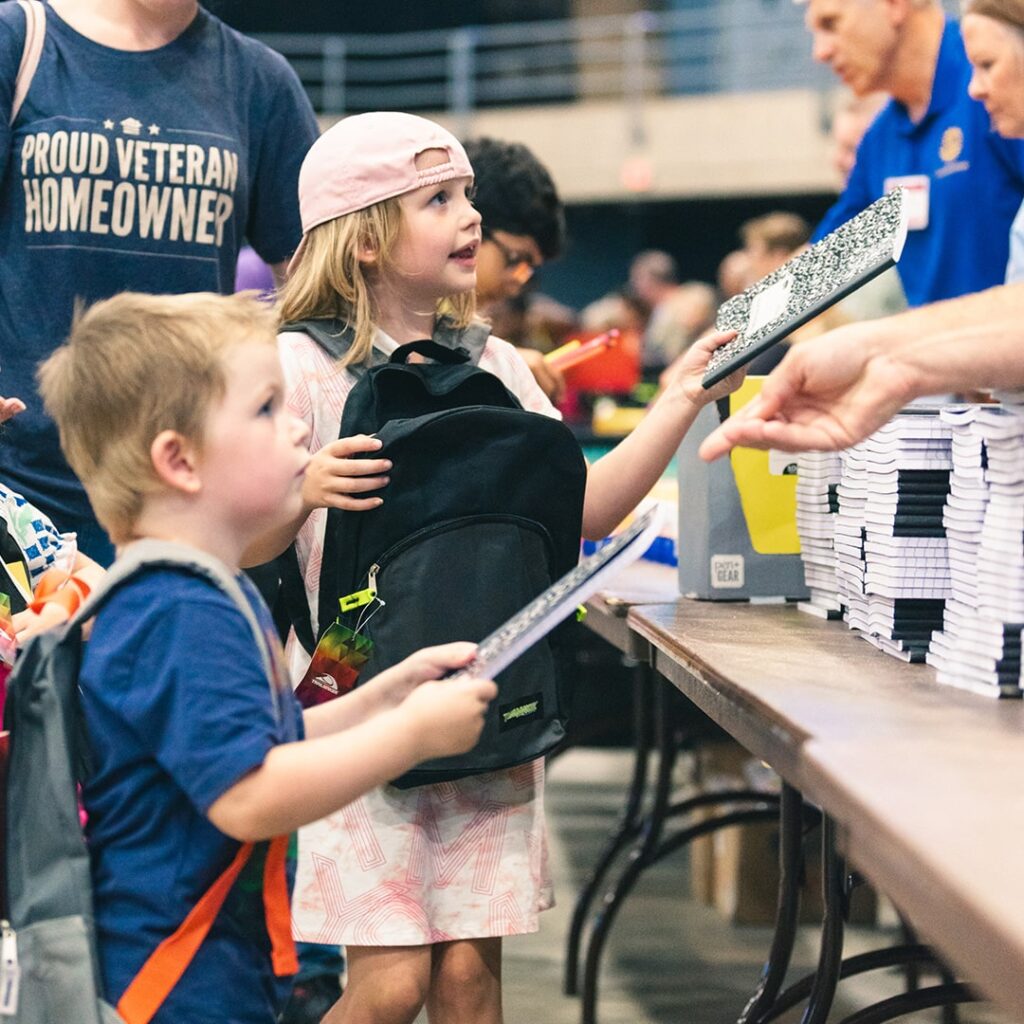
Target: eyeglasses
{"points": [[520, 264]]}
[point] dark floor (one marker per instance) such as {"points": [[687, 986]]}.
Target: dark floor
{"points": [[670, 960]]}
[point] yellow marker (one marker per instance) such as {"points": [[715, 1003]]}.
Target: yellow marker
{"points": [[562, 349]]}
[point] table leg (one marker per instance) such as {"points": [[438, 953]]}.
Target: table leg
{"points": [[627, 829], [830, 956], [788, 909], [877, 959], [653, 825], [911, 1002]]}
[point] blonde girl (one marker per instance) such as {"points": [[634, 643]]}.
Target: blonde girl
{"points": [[422, 885]]}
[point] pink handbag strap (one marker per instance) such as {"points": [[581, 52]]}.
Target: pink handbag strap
{"points": [[35, 33]]}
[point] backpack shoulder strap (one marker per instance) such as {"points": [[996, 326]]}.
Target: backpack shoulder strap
{"points": [[149, 989], [35, 36], [334, 337], [471, 339], [145, 554]]}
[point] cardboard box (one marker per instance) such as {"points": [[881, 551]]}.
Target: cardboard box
{"points": [[736, 869]]}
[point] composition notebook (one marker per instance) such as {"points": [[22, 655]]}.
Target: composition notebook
{"points": [[809, 283], [543, 613]]}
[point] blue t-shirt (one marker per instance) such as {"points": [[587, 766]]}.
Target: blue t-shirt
{"points": [[976, 181], [131, 171], [178, 709]]}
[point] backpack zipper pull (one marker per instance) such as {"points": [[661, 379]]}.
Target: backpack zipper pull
{"points": [[10, 972], [361, 598]]}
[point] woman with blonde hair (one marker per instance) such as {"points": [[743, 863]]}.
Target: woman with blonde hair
{"points": [[993, 32]]}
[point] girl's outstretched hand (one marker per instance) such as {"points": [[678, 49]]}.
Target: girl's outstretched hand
{"points": [[335, 478], [684, 376]]}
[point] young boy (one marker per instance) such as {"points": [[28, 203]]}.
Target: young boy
{"points": [[170, 412]]}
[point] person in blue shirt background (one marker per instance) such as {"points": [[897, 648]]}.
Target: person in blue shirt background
{"points": [[994, 39], [965, 184]]}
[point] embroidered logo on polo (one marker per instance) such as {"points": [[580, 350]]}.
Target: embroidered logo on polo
{"points": [[520, 712], [950, 148], [952, 144]]}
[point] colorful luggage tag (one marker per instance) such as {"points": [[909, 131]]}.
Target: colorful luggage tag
{"points": [[335, 666], [8, 645]]}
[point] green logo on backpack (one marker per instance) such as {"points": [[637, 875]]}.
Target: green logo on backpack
{"points": [[521, 712]]}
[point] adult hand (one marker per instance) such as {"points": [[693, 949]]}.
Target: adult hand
{"points": [[551, 381], [334, 479], [827, 394]]}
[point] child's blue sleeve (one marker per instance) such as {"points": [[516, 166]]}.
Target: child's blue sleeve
{"points": [[175, 679]]}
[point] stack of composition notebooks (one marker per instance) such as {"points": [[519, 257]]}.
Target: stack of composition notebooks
{"points": [[979, 646], [892, 566], [817, 504]]}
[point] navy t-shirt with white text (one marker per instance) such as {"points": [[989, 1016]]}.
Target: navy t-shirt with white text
{"points": [[140, 171]]}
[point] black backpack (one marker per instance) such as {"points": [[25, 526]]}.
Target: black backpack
{"points": [[483, 511]]}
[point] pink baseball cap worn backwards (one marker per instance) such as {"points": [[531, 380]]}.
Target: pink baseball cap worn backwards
{"points": [[367, 158]]}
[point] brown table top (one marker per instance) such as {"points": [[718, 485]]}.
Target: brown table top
{"points": [[775, 678], [641, 582], [927, 782]]}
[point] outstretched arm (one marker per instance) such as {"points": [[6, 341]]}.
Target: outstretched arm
{"points": [[832, 392], [620, 479], [302, 782]]}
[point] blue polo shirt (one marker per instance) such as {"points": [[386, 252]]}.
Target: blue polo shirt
{"points": [[976, 183]]}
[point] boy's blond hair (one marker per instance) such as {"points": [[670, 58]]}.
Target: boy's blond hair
{"points": [[133, 366], [332, 282]]}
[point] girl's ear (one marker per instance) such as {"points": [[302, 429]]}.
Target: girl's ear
{"points": [[367, 252], [175, 461]]}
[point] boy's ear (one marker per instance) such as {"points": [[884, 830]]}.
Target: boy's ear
{"points": [[174, 459]]}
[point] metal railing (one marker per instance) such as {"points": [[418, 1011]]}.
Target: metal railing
{"points": [[716, 46]]}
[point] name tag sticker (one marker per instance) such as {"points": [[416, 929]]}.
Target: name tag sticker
{"points": [[916, 198]]}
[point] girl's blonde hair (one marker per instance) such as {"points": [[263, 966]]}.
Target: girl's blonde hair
{"points": [[1011, 12], [332, 282]]}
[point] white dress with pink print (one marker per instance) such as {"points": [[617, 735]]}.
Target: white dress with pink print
{"points": [[456, 860]]}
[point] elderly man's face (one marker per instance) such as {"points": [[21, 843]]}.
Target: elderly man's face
{"points": [[856, 39]]}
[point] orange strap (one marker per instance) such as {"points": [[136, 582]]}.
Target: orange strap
{"points": [[59, 587], [169, 961], [277, 908]]}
